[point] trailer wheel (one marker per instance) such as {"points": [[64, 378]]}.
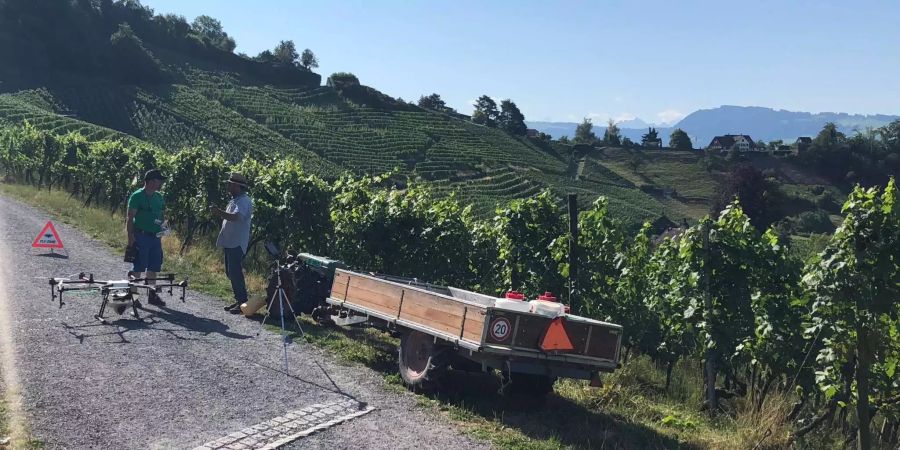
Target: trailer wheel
{"points": [[422, 362], [527, 385]]}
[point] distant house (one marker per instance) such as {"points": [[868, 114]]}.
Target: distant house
{"points": [[803, 143], [532, 133], [740, 142]]}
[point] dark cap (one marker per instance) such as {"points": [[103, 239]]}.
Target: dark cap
{"points": [[154, 175]]}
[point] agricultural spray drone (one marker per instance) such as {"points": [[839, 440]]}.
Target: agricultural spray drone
{"points": [[117, 294]]}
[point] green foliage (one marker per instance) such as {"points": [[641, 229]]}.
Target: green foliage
{"points": [[405, 233], [778, 342], [811, 222], [194, 185], [340, 80], [308, 59], [599, 240], [760, 197], [286, 53], [134, 63], [527, 231], [612, 136], [650, 138], [869, 157], [584, 132], [434, 102], [679, 140], [761, 319], [853, 290], [289, 206], [210, 30], [641, 325], [486, 112], [511, 119]]}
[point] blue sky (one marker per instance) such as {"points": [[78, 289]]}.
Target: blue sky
{"points": [[565, 60]]}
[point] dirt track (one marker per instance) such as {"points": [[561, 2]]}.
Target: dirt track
{"points": [[189, 373]]}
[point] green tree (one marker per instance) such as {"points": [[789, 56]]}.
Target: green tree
{"points": [[486, 112], [266, 56], [308, 59], [341, 80], [210, 31], [584, 132], [612, 136], [133, 62], [511, 119], [286, 53], [433, 101], [679, 140], [650, 138], [761, 199]]}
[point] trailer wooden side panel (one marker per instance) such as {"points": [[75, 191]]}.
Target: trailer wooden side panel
{"points": [[375, 295], [454, 317], [474, 325], [339, 286]]}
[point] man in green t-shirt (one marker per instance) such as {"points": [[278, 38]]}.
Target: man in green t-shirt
{"points": [[143, 224]]}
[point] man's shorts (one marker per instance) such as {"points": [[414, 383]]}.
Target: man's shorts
{"points": [[150, 254]]}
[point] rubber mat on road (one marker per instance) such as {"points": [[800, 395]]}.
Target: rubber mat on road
{"points": [[289, 427]]}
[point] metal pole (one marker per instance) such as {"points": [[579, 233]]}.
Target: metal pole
{"points": [[573, 253], [284, 336]]}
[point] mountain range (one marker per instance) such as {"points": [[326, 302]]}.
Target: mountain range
{"points": [[759, 122]]}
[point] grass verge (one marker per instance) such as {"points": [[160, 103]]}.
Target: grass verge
{"points": [[631, 410]]}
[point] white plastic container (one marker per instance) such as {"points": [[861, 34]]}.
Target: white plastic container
{"points": [[513, 301], [547, 308], [512, 305]]}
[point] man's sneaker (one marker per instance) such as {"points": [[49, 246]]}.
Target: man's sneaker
{"points": [[235, 305], [155, 300]]}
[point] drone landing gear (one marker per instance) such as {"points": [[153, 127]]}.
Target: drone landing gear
{"points": [[120, 300]]}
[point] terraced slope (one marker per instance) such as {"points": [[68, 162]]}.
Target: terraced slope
{"points": [[332, 133], [39, 112]]}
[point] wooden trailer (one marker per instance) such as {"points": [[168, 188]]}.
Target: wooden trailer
{"points": [[444, 326]]}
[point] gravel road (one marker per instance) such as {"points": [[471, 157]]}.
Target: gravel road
{"points": [[188, 374]]}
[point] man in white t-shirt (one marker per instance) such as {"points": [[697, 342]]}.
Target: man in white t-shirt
{"points": [[235, 236]]}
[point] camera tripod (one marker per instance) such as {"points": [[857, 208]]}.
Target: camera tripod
{"points": [[284, 303]]}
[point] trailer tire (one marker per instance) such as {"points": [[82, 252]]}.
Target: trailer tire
{"points": [[422, 363], [528, 385]]}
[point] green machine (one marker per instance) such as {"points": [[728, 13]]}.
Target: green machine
{"points": [[309, 278], [321, 264]]}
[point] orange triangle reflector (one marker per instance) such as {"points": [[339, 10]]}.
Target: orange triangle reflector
{"points": [[556, 338]]}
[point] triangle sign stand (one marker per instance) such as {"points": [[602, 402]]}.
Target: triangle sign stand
{"points": [[48, 238]]}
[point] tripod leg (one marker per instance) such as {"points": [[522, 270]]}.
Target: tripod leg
{"points": [[269, 309], [296, 320]]}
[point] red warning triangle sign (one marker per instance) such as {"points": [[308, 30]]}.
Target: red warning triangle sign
{"points": [[556, 338], [48, 238]]}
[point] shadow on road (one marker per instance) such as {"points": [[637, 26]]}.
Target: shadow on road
{"points": [[53, 255], [186, 326], [554, 418]]}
